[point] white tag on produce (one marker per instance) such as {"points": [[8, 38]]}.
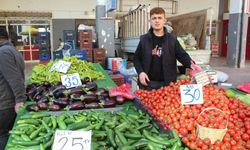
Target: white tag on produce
{"points": [[191, 94], [202, 78], [72, 140], [62, 66], [53, 67], [71, 80], [213, 76]]}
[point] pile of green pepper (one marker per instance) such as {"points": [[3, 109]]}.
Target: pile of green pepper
{"points": [[126, 129], [41, 73]]}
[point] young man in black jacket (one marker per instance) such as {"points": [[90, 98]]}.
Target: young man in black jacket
{"points": [[12, 89], [156, 54]]}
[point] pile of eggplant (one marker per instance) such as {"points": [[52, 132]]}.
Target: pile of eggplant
{"points": [[55, 97]]}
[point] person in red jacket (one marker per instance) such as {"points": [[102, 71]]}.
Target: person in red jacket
{"points": [[156, 56]]}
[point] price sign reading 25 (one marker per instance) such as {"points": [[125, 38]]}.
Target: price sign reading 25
{"points": [[191, 94], [71, 80], [72, 140]]}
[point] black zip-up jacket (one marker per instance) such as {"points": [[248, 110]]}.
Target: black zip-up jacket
{"points": [[12, 88], [172, 51]]}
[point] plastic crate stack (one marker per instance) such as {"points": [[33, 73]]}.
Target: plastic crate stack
{"points": [[69, 39], [44, 46], [99, 55], [85, 38]]}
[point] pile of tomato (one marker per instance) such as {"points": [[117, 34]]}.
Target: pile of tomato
{"points": [[165, 105]]}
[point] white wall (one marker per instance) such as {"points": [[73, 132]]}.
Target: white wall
{"points": [[59, 8], [85, 8], [186, 6]]}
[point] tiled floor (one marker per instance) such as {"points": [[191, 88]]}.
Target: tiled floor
{"points": [[236, 75]]}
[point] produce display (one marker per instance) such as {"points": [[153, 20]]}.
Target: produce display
{"points": [[239, 95], [55, 97], [125, 129], [42, 73], [165, 105]]}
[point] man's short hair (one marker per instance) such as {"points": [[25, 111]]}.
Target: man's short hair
{"points": [[157, 10], [3, 34]]}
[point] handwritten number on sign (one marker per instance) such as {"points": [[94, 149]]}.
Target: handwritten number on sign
{"points": [[68, 83], [75, 143], [74, 80], [64, 142], [195, 95]]}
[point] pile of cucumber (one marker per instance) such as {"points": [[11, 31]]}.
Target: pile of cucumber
{"points": [[126, 129]]}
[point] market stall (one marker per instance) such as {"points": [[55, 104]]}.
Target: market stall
{"points": [[122, 125], [178, 116]]}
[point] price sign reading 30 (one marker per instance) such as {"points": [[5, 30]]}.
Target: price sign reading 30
{"points": [[71, 80], [191, 94], [72, 140]]}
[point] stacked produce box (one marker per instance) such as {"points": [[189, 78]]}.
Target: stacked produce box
{"points": [[99, 55], [85, 38]]}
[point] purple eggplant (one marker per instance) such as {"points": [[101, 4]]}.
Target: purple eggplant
{"points": [[78, 105], [32, 107], [54, 89], [100, 97], [59, 93], [100, 91], [38, 97], [54, 107], [77, 90], [120, 100], [105, 94], [47, 84], [78, 97], [90, 92], [89, 98], [31, 87], [65, 98], [107, 103], [31, 93], [44, 99], [58, 88], [90, 86], [61, 102], [43, 106], [39, 90], [85, 80], [93, 105]]}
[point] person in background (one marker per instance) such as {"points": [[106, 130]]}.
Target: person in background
{"points": [[156, 56], [12, 88], [60, 44]]}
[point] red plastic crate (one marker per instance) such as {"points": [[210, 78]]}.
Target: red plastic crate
{"points": [[118, 79]]}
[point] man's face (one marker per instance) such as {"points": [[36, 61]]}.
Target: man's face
{"points": [[157, 21]]}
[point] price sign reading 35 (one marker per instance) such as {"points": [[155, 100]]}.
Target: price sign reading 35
{"points": [[191, 94], [71, 80], [72, 140]]}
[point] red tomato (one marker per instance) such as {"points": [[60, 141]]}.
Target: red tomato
{"points": [[199, 142], [218, 143], [245, 137], [207, 141]]}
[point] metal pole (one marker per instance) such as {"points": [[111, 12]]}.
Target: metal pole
{"points": [[241, 32]]}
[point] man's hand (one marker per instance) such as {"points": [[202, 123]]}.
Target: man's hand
{"points": [[143, 78], [18, 105]]}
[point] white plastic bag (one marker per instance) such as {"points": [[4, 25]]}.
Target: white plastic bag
{"points": [[222, 76]]}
